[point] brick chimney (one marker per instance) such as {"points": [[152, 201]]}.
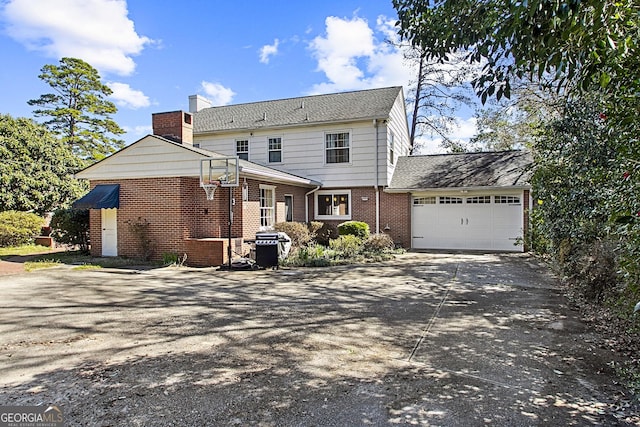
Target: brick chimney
{"points": [[176, 126]]}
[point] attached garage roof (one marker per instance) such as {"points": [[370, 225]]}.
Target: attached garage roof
{"points": [[462, 170]]}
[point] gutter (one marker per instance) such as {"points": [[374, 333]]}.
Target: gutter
{"points": [[306, 203], [375, 186]]}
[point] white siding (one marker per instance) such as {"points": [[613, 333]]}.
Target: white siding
{"points": [[147, 158], [303, 149], [397, 124], [303, 152]]}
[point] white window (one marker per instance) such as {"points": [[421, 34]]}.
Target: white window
{"points": [[333, 204], [479, 200], [392, 158], [418, 201], [444, 200], [275, 150], [242, 149], [337, 147], [511, 200], [267, 206]]}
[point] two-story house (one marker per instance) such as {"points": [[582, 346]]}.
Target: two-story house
{"points": [[321, 158], [327, 158]]}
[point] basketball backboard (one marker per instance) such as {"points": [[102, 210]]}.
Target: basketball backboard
{"points": [[219, 171]]}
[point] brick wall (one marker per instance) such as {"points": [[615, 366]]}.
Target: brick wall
{"points": [[395, 213], [181, 219], [174, 125]]}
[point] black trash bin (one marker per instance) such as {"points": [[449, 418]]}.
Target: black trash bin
{"points": [[267, 249]]}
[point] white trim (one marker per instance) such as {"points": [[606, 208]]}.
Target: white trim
{"points": [[324, 146], [271, 219], [281, 149], [333, 193]]}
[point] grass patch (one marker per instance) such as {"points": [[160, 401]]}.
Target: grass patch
{"points": [[83, 261], [22, 250], [37, 265]]}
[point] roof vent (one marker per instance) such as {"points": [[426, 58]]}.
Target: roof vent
{"points": [[302, 104], [264, 117]]}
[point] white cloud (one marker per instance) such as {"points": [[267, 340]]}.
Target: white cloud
{"points": [[269, 50], [463, 132], [124, 96], [217, 94], [96, 31], [354, 56], [140, 130]]}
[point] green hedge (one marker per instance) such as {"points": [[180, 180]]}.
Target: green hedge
{"points": [[354, 228], [19, 228]]}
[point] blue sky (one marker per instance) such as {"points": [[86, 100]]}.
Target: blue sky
{"points": [[154, 54]]}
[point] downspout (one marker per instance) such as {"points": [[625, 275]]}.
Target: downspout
{"points": [[306, 203], [375, 125]]}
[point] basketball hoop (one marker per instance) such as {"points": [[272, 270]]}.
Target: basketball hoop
{"points": [[210, 189]]}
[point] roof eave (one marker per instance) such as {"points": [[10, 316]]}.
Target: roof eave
{"points": [[455, 189], [288, 126]]}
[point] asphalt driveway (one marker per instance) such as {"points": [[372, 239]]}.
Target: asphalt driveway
{"points": [[427, 339]]}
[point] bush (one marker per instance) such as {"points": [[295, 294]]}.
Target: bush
{"points": [[18, 228], [314, 227], [378, 243], [325, 233], [346, 246], [71, 227], [354, 228], [297, 231]]}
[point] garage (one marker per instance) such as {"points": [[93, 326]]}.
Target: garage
{"points": [[466, 201], [485, 222]]}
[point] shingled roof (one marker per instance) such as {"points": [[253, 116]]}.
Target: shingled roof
{"points": [[316, 109], [463, 170]]}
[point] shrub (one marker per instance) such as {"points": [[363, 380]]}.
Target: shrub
{"points": [[297, 231], [346, 246], [71, 227], [18, 228], [314, 227], [310, 256], [377, 243], [140, 228], [354, 228], [326, 233]]}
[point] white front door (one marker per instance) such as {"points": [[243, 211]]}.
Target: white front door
{"points": [[109, 232]]}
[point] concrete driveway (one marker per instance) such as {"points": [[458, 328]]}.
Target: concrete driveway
{"points": [[428, 339]]}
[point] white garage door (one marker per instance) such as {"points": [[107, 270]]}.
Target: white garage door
{"points": [[468, 222]]}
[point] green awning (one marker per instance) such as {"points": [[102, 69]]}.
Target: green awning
{"points": [[103, 196]]}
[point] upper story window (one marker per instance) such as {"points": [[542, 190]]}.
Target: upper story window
{"points": [[333, 204], [392, 158], [337, 147], [242, 149], [275, 150]]}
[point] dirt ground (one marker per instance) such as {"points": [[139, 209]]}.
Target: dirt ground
{"points": [[427, 339]]}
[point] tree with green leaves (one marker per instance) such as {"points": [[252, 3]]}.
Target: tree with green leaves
{"points": [[36, 172], [78, 110], [588, 156], [577, 43]]}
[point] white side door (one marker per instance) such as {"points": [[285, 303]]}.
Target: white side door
{"points": [[109, 232]]}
